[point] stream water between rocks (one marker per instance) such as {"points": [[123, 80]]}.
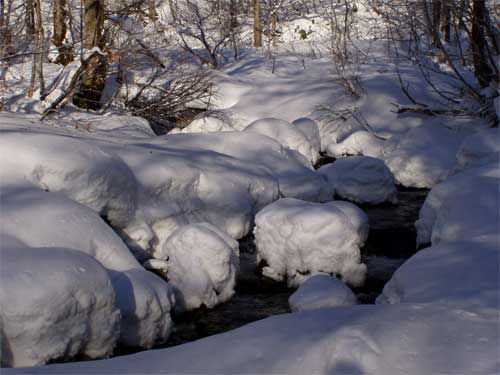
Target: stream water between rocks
{"points": [[391, 241]]}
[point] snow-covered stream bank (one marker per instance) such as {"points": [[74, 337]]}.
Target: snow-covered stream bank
{"points": [[391, 241]]}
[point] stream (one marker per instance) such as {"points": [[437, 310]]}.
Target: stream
{"points": [[391, 241]]}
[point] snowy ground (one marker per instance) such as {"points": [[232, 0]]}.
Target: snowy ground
{"points": [[87, 199]]}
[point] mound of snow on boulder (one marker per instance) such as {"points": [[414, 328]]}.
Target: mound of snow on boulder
{"points": [[360, 142], [463, 273], [56, 304], [479, 149], [296, 238], [202, 265], [310, 129], [206, 124], [463, 206], [361, 179], [286, 134], [423, 156], [321, 291]]}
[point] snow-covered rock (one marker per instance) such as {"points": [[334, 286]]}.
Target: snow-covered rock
{"points": [[458, 273], [257, 152], [287, 135], [202, 265], [406, 338], [56, 303], [463, 206], [296, 238], [44, 219], [424, 156], [207, 124], [310, 129], [321, 291], [360, 142], [479, 149], [361, 179], [80, 170]]}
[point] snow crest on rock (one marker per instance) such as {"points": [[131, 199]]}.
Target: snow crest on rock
{"points": [[296, 238], [321, 291], [202, 265], [361, 179]]}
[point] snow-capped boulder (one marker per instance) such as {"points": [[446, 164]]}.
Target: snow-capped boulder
{"points": [[359, 220], [479, 149], [424, 156], [310, 129], [145, 301], [207, 124], [321, 291], [255, 153], [40, 219], [296, 238], [56, 303], [286, 134], [202, 265], [360, 142], [455, 273], [463, 206], [80, 170], [361, 179]]}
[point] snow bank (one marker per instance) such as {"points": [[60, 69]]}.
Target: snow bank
{"points": [[310, 129], [261, 153], [78, 169], [296, 238], [463, 206], [206, 124], [424, 156], [40, 218], [287, 135], [321, 291], [56, 304], [479, 149], [360, 142], [361, 179], [458, 273], [202, 265], [407, 338]]}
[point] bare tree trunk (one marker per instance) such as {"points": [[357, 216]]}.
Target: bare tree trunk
{"points": [[478, 43], [153, 15], [257, 24], [38, 52], [446, 26], [436, 22], [94, 78], [65, 52]]}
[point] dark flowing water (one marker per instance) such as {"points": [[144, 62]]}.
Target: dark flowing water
{"points": [[392, 239]]}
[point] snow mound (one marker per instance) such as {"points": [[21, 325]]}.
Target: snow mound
{"points": [[311, 130], [479, 149], [361, 179], [40, 218], [296, 238], [202, 265], [463, 206], [80, 170], [207, 124], [459, 273], [360, 142], [424, 156], [284, 166], [56, 304], [321, 291], [287, 135], [145, 301], [361, 339]]}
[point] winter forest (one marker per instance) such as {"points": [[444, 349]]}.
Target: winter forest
{"points": [[250, 187]]}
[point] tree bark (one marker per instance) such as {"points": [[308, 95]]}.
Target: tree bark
{"points": [[65, 52], [436, 22], [482, 70], [94, 78], [257, 24]]}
